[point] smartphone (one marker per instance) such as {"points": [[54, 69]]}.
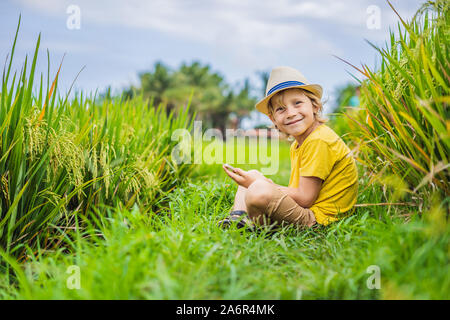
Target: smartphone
{"points": [[229, 167]]}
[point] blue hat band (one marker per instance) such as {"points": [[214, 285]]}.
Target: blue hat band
{"points": [[285, 84]]}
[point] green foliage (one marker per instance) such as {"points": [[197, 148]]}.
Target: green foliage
{"points": [[212, 98], [89, 183], [181, 254], [344, 95], [59, 158], [234, 149], [338, 121], [403, 127]]}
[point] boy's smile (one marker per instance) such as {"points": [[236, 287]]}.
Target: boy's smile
{"points": [[295, 116]]}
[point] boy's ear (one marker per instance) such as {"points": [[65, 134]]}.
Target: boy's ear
{"points": [[316, 110]]}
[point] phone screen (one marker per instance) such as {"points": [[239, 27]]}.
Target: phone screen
{"points": [[228, 166]]}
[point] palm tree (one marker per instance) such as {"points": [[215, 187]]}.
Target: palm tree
{"points": [[155, 84], [212, 98], [264, 77]]}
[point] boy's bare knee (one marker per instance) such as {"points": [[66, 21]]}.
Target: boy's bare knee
{"points": [[259, 194]]}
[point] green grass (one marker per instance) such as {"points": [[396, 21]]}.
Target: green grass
{"points": [[242, 148], [136, 245], [181, 254], [59, 158], [402, 127]]}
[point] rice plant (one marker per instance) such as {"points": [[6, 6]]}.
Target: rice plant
{"points": [[60, 158], [403, 125], [183, 255]]}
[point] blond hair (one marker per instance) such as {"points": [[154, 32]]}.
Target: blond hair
{"points": [[277, 101]]}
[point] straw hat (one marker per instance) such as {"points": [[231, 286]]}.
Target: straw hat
{"points": [[282, 78]]}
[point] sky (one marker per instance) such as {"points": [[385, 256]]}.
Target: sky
{"points": [[112, 41]]}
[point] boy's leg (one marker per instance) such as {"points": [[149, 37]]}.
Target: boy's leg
{"points": [[239, 199], [257, 198], [267, 204], [238, 211]]}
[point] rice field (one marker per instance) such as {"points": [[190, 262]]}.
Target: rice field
{"points": [[180, 253], [93, 205]]}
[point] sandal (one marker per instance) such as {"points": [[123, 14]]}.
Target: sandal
{"points": [[236, 216]]}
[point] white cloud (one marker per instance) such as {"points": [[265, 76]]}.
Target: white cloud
{"points": [[250, 26], [203, 20], [243, 23], [245, 35]]}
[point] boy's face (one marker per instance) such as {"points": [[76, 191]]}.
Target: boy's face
{"points": [[296, 115]]}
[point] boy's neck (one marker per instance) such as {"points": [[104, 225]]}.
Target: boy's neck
{"points": [[300, 139]]}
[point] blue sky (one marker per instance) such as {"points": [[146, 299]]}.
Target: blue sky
{"points": [[118, 39]]}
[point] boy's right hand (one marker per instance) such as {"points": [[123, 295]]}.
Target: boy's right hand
{"points": [[258, 175], [245, 178]]}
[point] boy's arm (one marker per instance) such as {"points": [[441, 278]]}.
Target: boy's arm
{"points": [[307, 192]]}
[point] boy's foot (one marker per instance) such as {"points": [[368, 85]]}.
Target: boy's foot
{"points": [[240, 218]]}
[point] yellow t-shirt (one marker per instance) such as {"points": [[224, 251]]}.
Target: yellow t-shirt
{"points": [[323, 154]]}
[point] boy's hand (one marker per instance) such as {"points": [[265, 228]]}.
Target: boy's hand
{"points": [[245, 178]]}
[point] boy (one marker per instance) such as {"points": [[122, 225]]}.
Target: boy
{"points": [[324, 179]]}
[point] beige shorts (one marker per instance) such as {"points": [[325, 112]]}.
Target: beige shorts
{"points": [[282, 209]]}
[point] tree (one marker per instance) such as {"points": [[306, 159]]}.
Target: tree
{"points": [[264, 77], [338, 121], [344, 95], [155, 84], [212, 98]]}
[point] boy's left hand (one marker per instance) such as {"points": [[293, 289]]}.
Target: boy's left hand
{"points": [[245, 178]]}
